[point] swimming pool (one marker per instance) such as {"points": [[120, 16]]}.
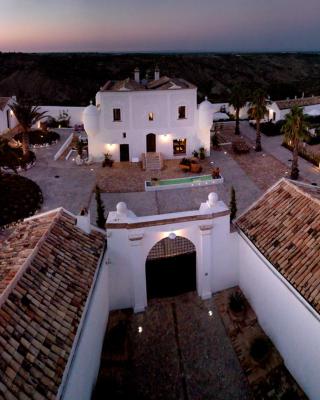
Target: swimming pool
{"points": [[179, 183]]}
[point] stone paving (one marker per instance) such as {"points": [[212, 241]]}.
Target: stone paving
{"points": [[272, 145], [62, 183], [181, 353], [174, 200]]}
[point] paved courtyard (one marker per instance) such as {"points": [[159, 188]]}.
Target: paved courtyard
{"points": [[181, 352], [62, 183], [174, 200]]}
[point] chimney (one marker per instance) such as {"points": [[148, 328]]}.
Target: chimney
{"points": [[83, 221], [156, 73], [137, 75]]}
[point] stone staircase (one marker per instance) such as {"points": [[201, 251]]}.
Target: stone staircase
{"points": [[152, 161]]}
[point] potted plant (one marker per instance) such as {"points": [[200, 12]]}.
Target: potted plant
{"points": [[185, 164], [107, 162], [155, 181], [195, 166], [202, 153], [195, 154], [260, 349]]}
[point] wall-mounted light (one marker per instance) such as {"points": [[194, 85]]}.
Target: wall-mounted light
{"points": [[172, 236]]}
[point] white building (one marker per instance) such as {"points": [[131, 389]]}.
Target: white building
{"points": [[280, 108], [135, 116]]}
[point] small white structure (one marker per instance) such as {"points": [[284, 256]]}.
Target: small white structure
{"points": [[7, 119], [279, 109], [136, 116], [131, 238]]}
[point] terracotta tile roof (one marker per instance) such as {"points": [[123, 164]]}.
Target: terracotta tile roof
{"points": [[40, 316], [4, 102], [164, 83], [302, 102], [284, 225]]}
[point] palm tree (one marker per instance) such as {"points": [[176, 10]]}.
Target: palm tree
{"points": [[295, 130], [257, 111], [27, 116], [237, 101]]}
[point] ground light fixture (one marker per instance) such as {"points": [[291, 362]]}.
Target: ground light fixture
{"points": [[210, 313], [140, 329], [172, 236]]}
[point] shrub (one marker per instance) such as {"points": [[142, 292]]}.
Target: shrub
{"points": [[195, 153], [101, 219], [233, 204], [237, 302], [239, 146], [202, 153], [308, 155], [260, 349], [39, 137], [20, 198], [271, 128], [214, 140]]}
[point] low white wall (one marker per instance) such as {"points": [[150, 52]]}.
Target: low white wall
{"points": [[294, 330], [63, 147], [76, 113], [86, 362]]}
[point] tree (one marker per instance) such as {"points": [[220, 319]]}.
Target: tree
{"points": [[27, 116], [295, 130], [237, 101], [257, 111], [233, 204], [101, 220]]}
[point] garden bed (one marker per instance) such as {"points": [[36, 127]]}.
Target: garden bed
{"points": [[39, 138], [261, 362], [20, 198], [305, 153]]}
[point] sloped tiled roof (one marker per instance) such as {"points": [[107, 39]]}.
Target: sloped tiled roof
{"points": [[302, 102], [40, 312], [164, 83], [4, 102], [284, 225]]}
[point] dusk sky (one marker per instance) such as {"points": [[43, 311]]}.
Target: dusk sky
{"points": [[164, 25]]}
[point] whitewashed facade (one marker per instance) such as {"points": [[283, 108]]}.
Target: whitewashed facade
{"points": [[134, 119]]}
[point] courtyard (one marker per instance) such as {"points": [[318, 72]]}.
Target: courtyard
{"points": [[177, 349]]}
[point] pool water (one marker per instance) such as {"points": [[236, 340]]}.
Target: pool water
{"points": [[192, 179]]}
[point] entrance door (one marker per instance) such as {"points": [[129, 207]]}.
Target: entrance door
{"points": [[171, 268], [124, 152], [151, 143]]}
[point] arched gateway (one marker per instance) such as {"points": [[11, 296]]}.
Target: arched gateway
{"points": [[171, 267]]}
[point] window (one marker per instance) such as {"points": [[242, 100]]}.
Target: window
{"points": [[179, 146], [182, 112], [150, 116], [116, 114], [124, 135], [274, 116]]}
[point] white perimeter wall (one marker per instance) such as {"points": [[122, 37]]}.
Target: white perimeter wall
{"points": [[294, 330], [85, 366], [76, 113]]}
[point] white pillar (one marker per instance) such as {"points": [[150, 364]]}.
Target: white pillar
{"points": [[204, 269], [138, 271]]}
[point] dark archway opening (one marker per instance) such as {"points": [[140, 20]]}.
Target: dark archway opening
{"points": [[171, 268], [151, 143]]}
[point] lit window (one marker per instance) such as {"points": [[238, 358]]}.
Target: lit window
{"points": [[150, 116], [116, 114], [182, 112], [179, 146]]}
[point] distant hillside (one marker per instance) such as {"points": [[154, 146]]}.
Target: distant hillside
{"points": [[74, 78]]}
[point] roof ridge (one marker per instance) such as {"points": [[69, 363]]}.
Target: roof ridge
{"points": [[4, 295], [296, 185]]}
